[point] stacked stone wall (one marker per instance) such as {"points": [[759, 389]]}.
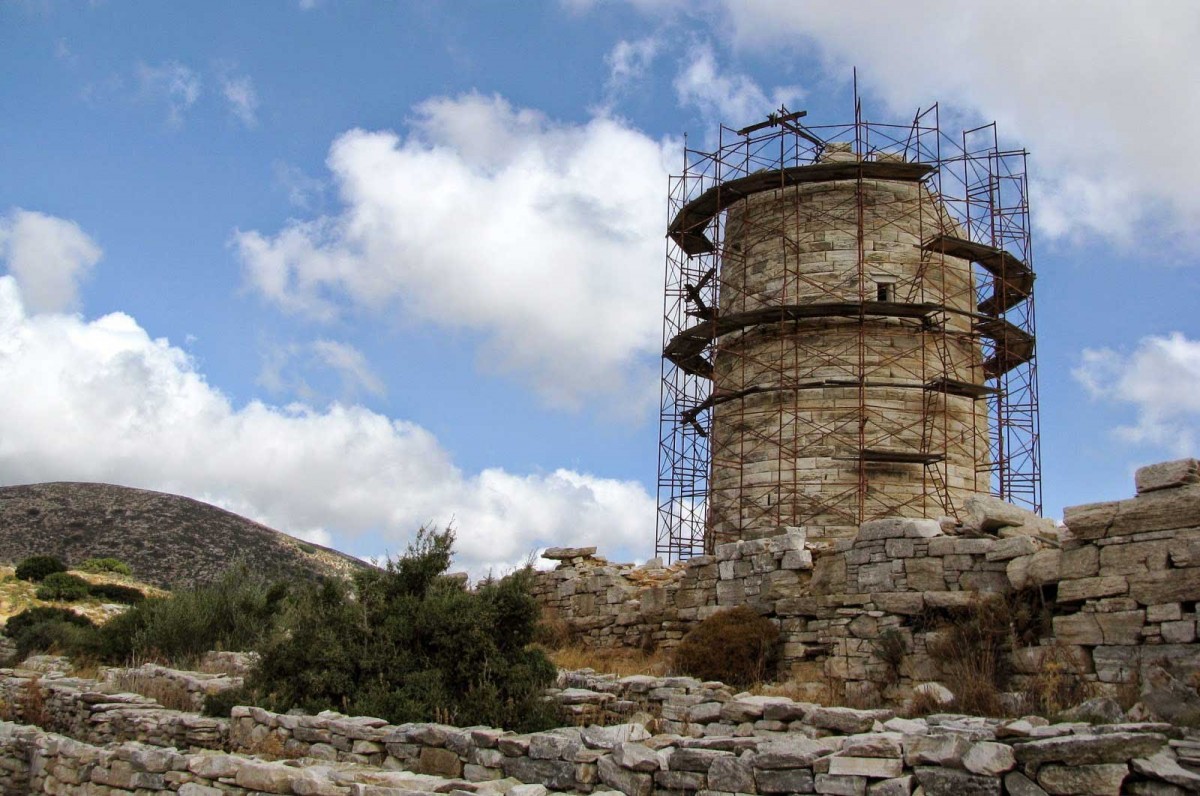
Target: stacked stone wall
{"points": [[1117, 588]]}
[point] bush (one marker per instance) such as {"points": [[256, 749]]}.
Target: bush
{"points": [[35, 568], [737, 647], [219, 704], [406, 643], [113, 565], [972, 648], [44, 629], [116, 593], [235, 612], [62, 586]]}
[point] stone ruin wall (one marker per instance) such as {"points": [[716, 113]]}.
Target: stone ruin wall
{"points": [[1120, 584]]}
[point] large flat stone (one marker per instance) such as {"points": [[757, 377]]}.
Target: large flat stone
{"points": [[1162, 510], [1091, 588], [950, 782], [1086, 780], [631, 783], [1166, 475], [1079, 750], [989, 513], [871, 767], [1166, 586]]}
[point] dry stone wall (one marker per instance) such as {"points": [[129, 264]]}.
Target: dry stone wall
{"points": [[1118, 588]]}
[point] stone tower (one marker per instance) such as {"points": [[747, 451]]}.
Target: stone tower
{"points": [[852, 337]]}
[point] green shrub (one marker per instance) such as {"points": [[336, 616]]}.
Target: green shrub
{"points": [[35, 568], [113, 565], [220, 704], [116, 593], [44, 629], [235, 612], [62, 586], [737, 647], [406, 643]]}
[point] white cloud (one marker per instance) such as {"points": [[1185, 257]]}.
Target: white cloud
{"points": [[545, 238], [48, 256], [173, 83], [1160, 379], [101, 400], [242, 98], [728, 98], [303, 191], [350, 364], [1097, 91], [628, 61]]}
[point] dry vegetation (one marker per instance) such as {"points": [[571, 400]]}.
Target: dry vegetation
{"points": [[18, 595]]}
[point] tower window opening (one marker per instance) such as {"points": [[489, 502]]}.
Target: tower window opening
{"points": [[883, 291]]}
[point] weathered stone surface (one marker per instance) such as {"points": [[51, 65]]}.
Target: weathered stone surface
{"points": [[1008, 549], [555, 774], [636, 757], [1121, 627], [631, 783], [904, 603], [1163, 766], [873, 744], [837, 785], [1078, 629], [1167, 698], [567, 553], [1078, 750], [989, 513], [1091, 588], [680, 780], [1089, 780], [1017, 784], [939, 781], [695, 759], [1167, 475], [989, 759], [731, 775], [936, 750], [1161, 510], [608, 737], [846, 720], [899, 786], [266, 777], [1166, 586], [784, 780], [749, 708], [925, 574], [871, 767], [1036, 570], [791, 753]]}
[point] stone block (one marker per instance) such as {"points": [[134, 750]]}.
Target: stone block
{"points": [[1078, 629], [840, 785], [989, 513], [1121, 627], [935, 750], [938, 781], [924, 575], [1091, 588], [899, 786], [875, 577], [1181, 632], [1161, 510], [797, 559], [989, 759], [784, 780], [567, 553], [1089, 780], [1164, 612], [899, 548], [1038, 569], [951, 599], [984, 582], [871, 767], [731, 775], [631, 783], [439, 762], [1007, 549], [1166, 586], [904, 603], [1080, 560], [1135, 558], [1017, 784], [1167, 475], [679, 781], [1081, 750], [829, 575]]}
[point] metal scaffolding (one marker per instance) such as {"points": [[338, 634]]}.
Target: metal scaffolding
{"points": [[980, 194]]}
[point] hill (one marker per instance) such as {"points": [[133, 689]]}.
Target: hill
{"points": [[168, 540]]}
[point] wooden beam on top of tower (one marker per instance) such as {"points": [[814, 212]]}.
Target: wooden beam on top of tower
{"points": [[773, 119]]}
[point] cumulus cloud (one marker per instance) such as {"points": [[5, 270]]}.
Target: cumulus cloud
{"points": [[239, 92], [1160, 379], [726, 97], [173, 83], [101, 400], [48, 257], [544, 238], [1094, 91]]}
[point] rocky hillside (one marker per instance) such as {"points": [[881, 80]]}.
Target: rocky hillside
{"points": [[168, 540]]}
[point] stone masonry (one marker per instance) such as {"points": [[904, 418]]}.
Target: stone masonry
{"points": [[1119, 584]]}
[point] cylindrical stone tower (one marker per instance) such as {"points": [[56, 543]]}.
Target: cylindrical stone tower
{"points": [[849, 355]]}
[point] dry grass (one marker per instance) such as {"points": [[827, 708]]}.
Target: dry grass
{"points": [[611, 660], [165, 692]]}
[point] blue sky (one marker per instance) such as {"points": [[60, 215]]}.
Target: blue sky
{"points": [[351, 267]]}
